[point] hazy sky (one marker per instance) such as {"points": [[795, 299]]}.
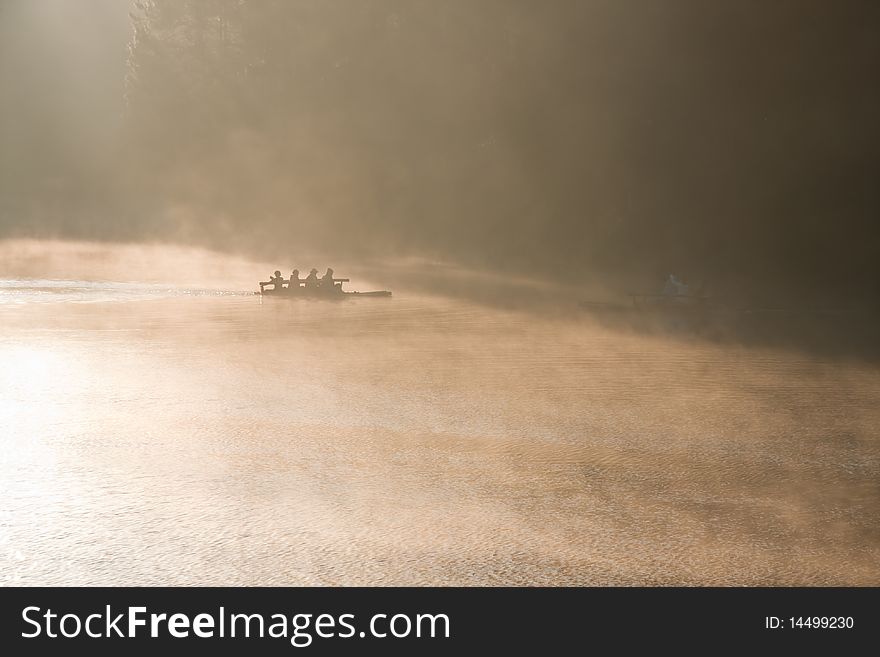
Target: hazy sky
{"points": [[62, 66], [729, 141]]}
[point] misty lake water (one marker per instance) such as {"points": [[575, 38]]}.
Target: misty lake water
{"points": [[161, 435]]}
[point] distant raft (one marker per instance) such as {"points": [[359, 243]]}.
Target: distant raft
{"points": [[302, 289], [318, 293]]}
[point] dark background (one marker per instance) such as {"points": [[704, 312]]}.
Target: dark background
{"points": [[503, 620], [734, 143]]}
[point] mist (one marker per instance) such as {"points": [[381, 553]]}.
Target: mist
{"points": [[510, 389], [733, 143]]}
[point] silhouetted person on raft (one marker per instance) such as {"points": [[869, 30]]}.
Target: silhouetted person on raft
{"points": [[293, 283], [327, 282], [312, 280], [674, 287], [277, 281]]}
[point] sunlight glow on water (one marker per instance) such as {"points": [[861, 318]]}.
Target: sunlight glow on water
{"points": [[154, 436]]}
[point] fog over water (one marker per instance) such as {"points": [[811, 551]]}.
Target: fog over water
{"points": [[165, 434], [518, 174], [732, 143]]}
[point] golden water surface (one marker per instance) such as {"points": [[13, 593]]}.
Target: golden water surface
{"points": [[160, 434]]}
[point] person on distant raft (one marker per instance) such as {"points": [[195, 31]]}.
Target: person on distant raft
{"points": [[327, 283], [676, 290], [674, 287], [293, 283], [276, 280], [312, 279]]}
